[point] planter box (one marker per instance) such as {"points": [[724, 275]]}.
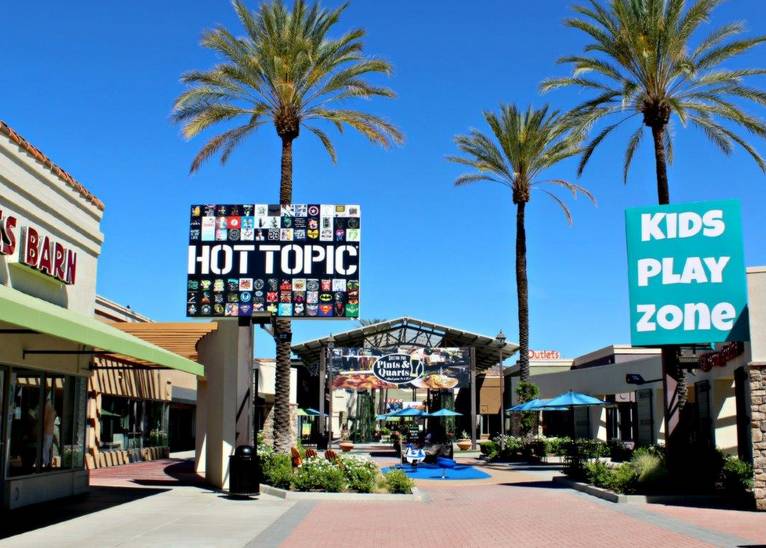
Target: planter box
{"points": [[679, 500], [415, 496]]}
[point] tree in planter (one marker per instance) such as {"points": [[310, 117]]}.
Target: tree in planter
{"points": [[521, 147], [643, 66], [287, 71]]}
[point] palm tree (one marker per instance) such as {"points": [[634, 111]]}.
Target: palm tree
{"points": [[286, 70], [642, 65], [521, 147]]}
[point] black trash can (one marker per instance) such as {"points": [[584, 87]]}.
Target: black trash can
{"points": [[322, 442], [244, 472]]}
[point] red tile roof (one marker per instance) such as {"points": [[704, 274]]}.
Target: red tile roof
{"points": [[37, 154]]}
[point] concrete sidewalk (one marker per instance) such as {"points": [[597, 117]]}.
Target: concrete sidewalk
{"points": [[180, 516], [162, 503]]}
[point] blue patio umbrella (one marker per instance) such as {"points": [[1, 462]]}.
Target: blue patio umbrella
{"points": [[445, 413], [408, 412], [535, 405], [572, 399], [314, 413]]}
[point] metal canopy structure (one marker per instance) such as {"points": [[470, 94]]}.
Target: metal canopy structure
{"points": [[408, 331], [486, 352]]}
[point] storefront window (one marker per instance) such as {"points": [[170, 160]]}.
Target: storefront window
{"points": [[47, 422], [156, 427], [78, 423], [118, 423], [25, 423], [131, 424]]}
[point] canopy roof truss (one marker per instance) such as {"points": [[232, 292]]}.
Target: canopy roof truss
{"points": [[406, 331]]}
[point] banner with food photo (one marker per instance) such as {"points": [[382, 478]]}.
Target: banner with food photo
{"points": [[402, 367]]}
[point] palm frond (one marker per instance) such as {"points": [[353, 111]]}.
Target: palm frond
{"points": [[635, 140], [651, 58], [564, 208], [325, 141], [286, 67], [521, 145]]}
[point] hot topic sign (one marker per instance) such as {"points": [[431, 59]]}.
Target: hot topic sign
{"points": [[686, 272], [293, 260]]}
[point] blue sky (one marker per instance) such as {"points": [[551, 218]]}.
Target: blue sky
{"points": [[91, 83]]}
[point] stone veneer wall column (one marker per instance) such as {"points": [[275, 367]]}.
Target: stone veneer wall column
{"points": [[758, 409]]}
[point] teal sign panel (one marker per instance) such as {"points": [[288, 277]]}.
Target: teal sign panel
{"points": [[686, 271]]}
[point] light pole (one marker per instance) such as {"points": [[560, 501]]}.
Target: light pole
{"points": [[500, 338], [330, 348]]}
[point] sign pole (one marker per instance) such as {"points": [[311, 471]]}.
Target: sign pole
{"points": [[502, 396], [473, 397], [330, 347], [671, 406], [322, 395]]}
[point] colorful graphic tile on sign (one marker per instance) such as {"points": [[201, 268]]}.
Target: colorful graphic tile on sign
{"points": [[297, 260]]}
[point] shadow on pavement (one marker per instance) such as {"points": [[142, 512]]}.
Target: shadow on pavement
{"points": [[36, 516], [177, 474], [542, 484]]}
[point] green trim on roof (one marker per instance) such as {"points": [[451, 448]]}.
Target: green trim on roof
{"points": [[29, 312]]}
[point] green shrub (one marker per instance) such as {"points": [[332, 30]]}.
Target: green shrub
{"points": [[623, 478], [535, 448], [557, 446], [360, 473], [489, 449], [590, 449], [651, 473], [318, 474], [579, 452], [737, 476], [276, 469], [620, 479], [598, 473], [656, 450], [398, 482]]}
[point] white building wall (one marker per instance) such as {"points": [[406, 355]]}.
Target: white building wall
{"points": [[32, 192]]}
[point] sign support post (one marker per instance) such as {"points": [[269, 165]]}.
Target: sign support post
{"points": [[330, 347], [473, 397], [322, 391]]}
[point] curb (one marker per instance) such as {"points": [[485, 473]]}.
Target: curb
{"points": [[673, 500], [415, 496], [593, 491]]}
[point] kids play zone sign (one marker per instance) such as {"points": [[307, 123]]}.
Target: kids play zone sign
{"points": [[30, 246], [686, 272]]}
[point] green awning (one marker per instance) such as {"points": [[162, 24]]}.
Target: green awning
{"points": [[43, 317]]}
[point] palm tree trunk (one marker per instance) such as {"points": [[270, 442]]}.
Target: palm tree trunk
{"points": [[674, 378], [283, 328], [522, 291], [663, 191]]}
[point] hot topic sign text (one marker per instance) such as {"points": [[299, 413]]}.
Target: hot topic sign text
{"points": [[686, 273]]}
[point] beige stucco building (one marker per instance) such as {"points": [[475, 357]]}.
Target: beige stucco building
{"points": [[718, 397], [50, 242]]}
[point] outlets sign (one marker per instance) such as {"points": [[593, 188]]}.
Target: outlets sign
{"points": [[686, 272]]}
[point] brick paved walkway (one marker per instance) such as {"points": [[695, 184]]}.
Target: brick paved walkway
{"points": [[517, 506], [514, 508], [163, 472]]}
